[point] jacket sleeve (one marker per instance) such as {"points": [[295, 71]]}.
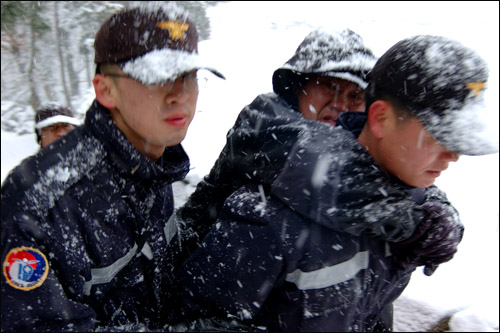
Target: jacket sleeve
{"points": [[233, 270], [40, 285], [33, 298], [255, 152], [329, 178]]}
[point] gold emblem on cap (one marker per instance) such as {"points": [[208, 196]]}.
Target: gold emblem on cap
{"points": [[175, 29], [475, 87]]}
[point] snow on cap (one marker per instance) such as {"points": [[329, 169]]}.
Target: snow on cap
{"points": [[442, 82], [152, 42], [54, 114], [339, 54]]}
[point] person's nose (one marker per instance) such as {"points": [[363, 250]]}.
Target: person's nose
{"points": [[339, 102], [61, 131], [178, 93], [450, 156]]}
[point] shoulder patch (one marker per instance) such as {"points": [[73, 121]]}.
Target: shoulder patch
{"points": [[25, 268]]}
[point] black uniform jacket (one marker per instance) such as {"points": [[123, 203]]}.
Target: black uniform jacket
{"points": [[309, 251], [72, 220]]}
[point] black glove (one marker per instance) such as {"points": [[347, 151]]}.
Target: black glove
{"points": [[434, 241]]}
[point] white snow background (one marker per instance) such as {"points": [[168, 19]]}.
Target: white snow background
{"points": [[249, 40]]}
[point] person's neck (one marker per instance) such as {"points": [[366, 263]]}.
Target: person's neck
{"points": [[153, 153], [368, 142]]}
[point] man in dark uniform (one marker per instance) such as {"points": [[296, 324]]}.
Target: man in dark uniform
{"points": [[332, 241], [83, 239]]}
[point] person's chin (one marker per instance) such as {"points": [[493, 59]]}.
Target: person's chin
{"points": [[174, 140], [423, 183]]}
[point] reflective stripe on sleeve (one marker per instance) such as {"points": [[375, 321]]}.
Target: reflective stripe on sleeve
{"points": [[329, 276], [106, 274], [170, 228]]}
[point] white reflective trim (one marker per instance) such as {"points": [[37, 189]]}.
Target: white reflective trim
{"points": [[106, 274], [329, 276], [146, 250], [170, 228], [388, 251]]}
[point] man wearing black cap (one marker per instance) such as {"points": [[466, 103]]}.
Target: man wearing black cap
{"points": [[83, 226], [334, 239], [52, 122]]}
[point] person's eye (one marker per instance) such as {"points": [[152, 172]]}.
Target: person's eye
{"points": [[356, 96], [164, 85], [189, 76], [329, 87]]}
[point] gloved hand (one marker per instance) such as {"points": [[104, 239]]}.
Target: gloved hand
{"points": [[434, 241]]}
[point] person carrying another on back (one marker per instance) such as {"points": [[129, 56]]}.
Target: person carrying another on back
{"points": [[334, 239]]}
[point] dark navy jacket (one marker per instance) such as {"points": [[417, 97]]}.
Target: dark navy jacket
{"points": [[255, 153], [267, 266], [306, 249], [77, 210]]}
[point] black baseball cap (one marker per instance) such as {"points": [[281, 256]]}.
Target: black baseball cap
{"points": [[152, 42], [442, 82]]}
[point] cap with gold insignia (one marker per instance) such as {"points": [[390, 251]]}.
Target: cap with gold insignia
{"points": [[152, 42], [442, 82]]}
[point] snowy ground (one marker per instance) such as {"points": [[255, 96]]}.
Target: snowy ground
{"points": [[251, 39]]}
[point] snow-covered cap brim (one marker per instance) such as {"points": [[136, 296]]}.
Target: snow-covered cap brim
{"points": [[56, 120], [159, 66], [465, 130], [347, 76], [354, 75]]}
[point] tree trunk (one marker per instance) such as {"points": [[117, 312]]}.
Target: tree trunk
{"points": [[87, 68], [74, 81], [13, 44], [60, 55], [34, 99]]}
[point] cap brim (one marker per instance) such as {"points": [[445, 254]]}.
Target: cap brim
{"points": [[466, 131], [159, 66], [56, 120], [284, 76], [347, 76]]}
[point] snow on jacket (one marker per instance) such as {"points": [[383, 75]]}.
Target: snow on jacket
{"points": [[72, 218], [269, 261], [330, 178], [266, 129], [255, 153], [275, 257]]}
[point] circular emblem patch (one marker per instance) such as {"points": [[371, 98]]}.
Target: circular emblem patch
{"points": [[25, 268]]}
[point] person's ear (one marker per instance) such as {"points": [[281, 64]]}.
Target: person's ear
{"points": [[378, 116], [104, 91]]}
